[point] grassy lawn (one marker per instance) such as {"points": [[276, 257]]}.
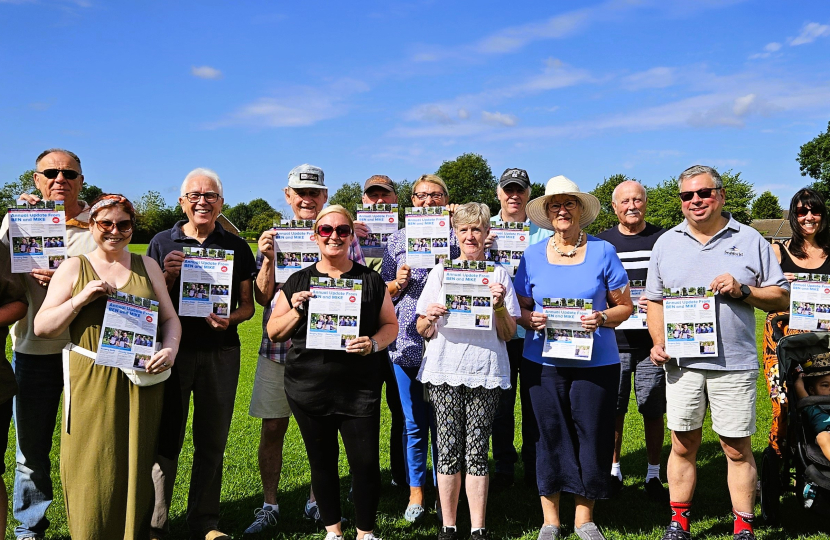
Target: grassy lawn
{"points": [[514, 513]]}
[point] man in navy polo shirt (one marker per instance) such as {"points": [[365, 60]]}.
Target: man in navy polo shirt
{"points": [[208, 362]]}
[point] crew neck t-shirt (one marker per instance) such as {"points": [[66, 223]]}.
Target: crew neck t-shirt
{"points": [[634, 250], [601, 271], [324, 382]]}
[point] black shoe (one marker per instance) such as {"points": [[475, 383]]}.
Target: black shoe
{"points": [[447, 533], [676, 532], [500, 481], [656, 491], [616, 485], [744, 535], [481, 534]]}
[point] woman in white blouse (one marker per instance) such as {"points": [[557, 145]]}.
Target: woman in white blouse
{"points": [[465, 371]]}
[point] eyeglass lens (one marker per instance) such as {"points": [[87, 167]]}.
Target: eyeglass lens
{"points": [[423, 196], [326, 230], [703, 193], [210, 196], [802, 211], [123, 226], [51, 174]]}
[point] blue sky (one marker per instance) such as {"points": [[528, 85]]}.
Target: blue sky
{"points": [[146, 91]]}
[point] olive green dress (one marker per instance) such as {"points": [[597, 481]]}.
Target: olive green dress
{"points": [[107, 456]]}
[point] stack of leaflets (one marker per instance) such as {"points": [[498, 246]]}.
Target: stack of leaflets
{"points": [[382, 220], [467, 294], [690, 322], [37, 236], [128, 333], [333, 313], [810, 302], [294, 247], [564, 335], [427, 236], [512, 239], [205, 282]]}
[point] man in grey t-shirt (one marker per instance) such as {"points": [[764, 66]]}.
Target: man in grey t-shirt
{"points": [[710, 249]]}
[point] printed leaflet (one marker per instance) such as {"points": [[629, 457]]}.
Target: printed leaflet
{"points": [[564, 335], [333, 313], [690, 322], [205, 282], [128, 334], [467, 294], [37, 236]]}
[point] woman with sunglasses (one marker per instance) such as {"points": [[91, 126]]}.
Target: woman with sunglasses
{"points": [[405, 285], [331, 391], [109, 435]]}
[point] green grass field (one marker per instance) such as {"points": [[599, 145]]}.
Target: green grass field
{"points": [[514, 513]]}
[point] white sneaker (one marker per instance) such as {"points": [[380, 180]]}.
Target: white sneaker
{"points": [[370, 536], [265, 517], [333, 536]]}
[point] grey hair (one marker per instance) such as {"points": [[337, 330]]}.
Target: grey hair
{"points": [[73, 155], [642, 187], [472, 213], [200, 171], [696, 170]]}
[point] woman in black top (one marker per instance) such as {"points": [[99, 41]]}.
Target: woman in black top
{"points": [[331, 391]]}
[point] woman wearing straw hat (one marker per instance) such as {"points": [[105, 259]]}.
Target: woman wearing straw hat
{"points": [[574, 400]]}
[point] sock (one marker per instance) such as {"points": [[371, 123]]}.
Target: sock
{"points": [[475, 530], [275, 507], [653, 472], [680, 514], [616, 471], [448, 527], [743, 521]]}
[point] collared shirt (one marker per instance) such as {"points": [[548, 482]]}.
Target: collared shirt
{"points": [[196, 332], [277, 351], [537, 234], [680, 260], [408, 349]]}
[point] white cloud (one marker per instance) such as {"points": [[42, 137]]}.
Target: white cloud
{"points": [[463, 114], [809, 33], [657, 77], [769, 48], [514, 38], [772, 47], [743, 104], [205, 72], [497, 118]]}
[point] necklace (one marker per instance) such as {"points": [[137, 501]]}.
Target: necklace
{"points": [[572, 252]]}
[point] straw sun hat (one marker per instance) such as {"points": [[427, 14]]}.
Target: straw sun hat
{"points": [[560, 185]]}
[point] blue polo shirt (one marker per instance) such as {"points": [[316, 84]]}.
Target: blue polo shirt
{"points": [[196, 332]]}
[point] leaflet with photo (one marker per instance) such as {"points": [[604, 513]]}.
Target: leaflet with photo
{"points": [[810, 302], [637, 321], [512, 239], [382, 220], [467, 294], [427, 236], [564, 335], [333, 313], [128, 333], [293, 247], [205, 283], [37, 236], [690, 322]]}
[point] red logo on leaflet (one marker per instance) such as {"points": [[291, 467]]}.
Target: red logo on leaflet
{"points": [[442, 223], [826, 291], [224, 269], [391, 220], [706, 305], [352, 299], [522, 238], [149, 318], [582, 317], [56, 219], [485, 281]]}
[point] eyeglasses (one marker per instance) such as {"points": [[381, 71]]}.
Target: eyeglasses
{"points": [[802, 211], [194, 196], [106, 225], [327, 230], [51, 174], [568, 205], [424, 196], [703, 193]]}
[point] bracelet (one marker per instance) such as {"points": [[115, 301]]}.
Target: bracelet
{"points": [[72, 305], [499, 309]]}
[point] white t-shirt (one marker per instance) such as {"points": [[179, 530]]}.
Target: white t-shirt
{"points": [[465, 357]]}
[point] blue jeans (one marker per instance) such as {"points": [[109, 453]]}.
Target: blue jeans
{"points": [[504, 425], [418, 424], [40, 384]]}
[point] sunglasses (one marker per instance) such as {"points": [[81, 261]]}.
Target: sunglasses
{"points": [[703, 193], [802, 211], [327, 230], [106, 225], [194, 196], [51, 174]]}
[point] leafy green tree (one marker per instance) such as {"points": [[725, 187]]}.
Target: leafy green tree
{"points": [[814, 161], [469, 178], [403, 189], [606, 218], [239, 214], [263, 221], [536, 190], [766, 206], [12, 190], [348, 196], [153, 215], [90, 192]]}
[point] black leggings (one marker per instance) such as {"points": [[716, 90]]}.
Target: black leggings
{"points": [[361, 438]]}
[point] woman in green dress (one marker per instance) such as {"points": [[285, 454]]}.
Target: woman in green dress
{"points": [[110, 425]]}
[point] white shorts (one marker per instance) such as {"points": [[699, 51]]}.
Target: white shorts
{"points": [[268, 396], [730, 396]]}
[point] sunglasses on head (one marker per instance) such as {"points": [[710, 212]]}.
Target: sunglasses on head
{"points": [[802, 211], [106, 225], [703, 193], [327, 230], [51, 174]]}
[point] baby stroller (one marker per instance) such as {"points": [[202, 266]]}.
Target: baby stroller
{"points": [[810, 479]]}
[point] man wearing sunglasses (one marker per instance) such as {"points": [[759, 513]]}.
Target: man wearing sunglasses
{"points": [[306, 194], [208, 361], [711, 249], [37, 361]]}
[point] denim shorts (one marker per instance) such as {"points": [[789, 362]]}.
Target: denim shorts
{"points": [[649, 384]]}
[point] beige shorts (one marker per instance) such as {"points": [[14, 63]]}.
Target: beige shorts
{"points": [[731, 399], [268, 396]]}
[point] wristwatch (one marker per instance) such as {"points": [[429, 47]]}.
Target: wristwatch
{"points": [[301, 309], [374, 345], [745, 292], [604, 317]]}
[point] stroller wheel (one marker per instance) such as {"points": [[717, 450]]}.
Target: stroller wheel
{"points": [[770, 486]]}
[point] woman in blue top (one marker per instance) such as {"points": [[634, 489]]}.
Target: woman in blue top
{"points": [[574, 400]]}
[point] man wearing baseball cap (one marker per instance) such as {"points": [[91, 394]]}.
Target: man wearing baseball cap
{"points": [[513, 192], [378, 189]]}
